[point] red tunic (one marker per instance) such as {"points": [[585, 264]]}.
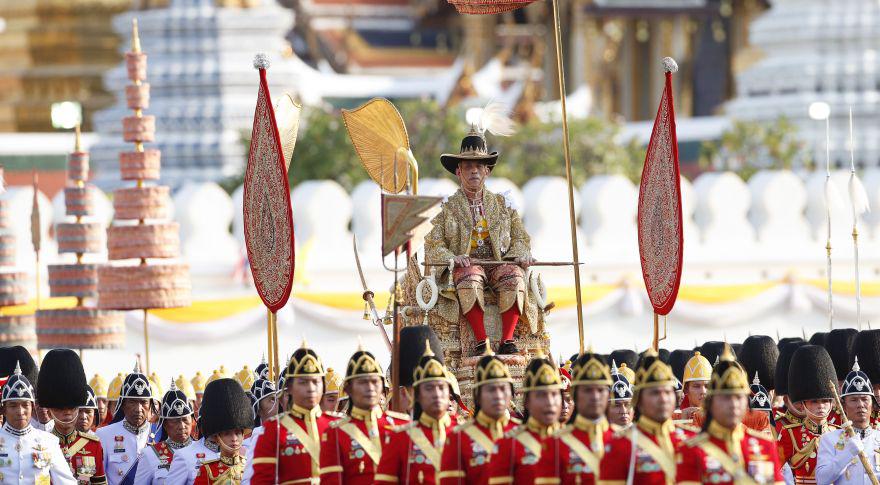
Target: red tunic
{"points": [[655, 453], [573, 455], [350, 453], [468, 449], [221, 471], [411, 454], [293, 441], [518, 454], [84, 455], [784, 417], [699, 459], [798, 445]]}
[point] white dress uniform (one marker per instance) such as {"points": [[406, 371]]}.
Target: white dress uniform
{"points": [[250, 443], [122, 447], [186, 462], [155, 464], [151, 470], [32, 456], [838, 462]]}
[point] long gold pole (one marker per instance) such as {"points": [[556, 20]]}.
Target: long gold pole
{"points": [[270, 346], [560, 74], [274, 317], [656, 344], [147, 341]]}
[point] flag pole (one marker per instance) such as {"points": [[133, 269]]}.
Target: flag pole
{"points": [[560, 75], [859, 201]]}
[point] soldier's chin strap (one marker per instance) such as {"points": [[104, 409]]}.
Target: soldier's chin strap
{"points": [[55, 418], [224, 446]]}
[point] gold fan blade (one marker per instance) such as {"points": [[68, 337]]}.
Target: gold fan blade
{"points": [[377, 132], [287, 113]]}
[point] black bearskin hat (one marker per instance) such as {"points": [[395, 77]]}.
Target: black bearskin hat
{"points": [[786, 340], [412, 348], [809, 373], [819, 338], [712, 350], [867, 349], [780, 377], [759, 355], [225, 407], [62, 384], [839, 345], [678, 359], [625, 356], [10, 356]]}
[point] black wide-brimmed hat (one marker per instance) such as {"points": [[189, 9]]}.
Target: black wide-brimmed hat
{"points": [[225, 407], [62, 383], [473, 149], [759, 355], [809, 374]]}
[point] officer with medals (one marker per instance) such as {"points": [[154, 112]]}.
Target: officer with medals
{"points": [[518, 454], [175, 426], [352, 446], [697, 372], [809, 373], [288, 449], [573, 454], [412, 453], [226, 417], [128, 435], [87, 416], [62, 389], [838, 462], [27, 455], [645, 452], [620, 409], [468, 449], [726, 452]]}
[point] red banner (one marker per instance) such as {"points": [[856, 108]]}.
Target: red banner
{"points": [[659, 217], [268, 217]]}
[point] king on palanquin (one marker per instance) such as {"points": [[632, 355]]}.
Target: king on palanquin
{"points": [[473, 225]]}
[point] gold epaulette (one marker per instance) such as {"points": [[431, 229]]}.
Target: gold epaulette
{"points": [[687, 427], [463, 425], [340, 422], [90, 436], [210, 462], [696, 439], [403, 427], [515, 431], [334, 414], [400, 416], [792, 425]]}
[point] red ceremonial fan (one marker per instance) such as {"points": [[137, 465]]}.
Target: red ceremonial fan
{"points": [[268, 217], [659, 218]]}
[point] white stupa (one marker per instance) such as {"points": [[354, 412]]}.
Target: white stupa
{"points": [[817, 50], [203, 85]]}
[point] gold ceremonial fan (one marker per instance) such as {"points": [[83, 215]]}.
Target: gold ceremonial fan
{"points": [[379, 137], [287, 112]]}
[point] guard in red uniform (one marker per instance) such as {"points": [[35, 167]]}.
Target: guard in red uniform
{"points": [[654, 435], [573, 455], [468, 449], [412, 453], [810, 371], [517, 458], [788, 413], [225, 417], [62, 390], [292, 440], [727, 452], [351, 448]]}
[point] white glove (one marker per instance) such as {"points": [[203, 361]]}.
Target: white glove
{"points": [[854, 446]]}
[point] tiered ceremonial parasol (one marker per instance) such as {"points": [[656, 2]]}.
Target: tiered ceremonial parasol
{"points": [[141, 230], [80, 327]]}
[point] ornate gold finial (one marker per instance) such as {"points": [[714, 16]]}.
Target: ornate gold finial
{"points": [[651, 352], [727, 354], [135, 38], [428, 351], [77, 140], [488, 348], [304, 345]]}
